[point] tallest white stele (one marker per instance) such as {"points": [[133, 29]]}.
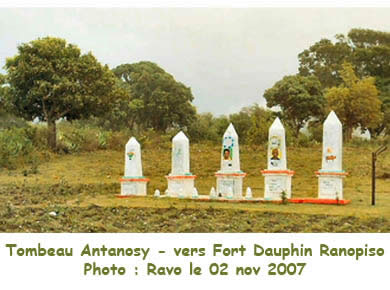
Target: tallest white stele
{"points": [[331, 175], [332, 144]]}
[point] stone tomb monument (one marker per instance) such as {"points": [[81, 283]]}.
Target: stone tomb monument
{"points": [[277, 177], [133, 182], [180, 180], [230, 177], [331, 175]]}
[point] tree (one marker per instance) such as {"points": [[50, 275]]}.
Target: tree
{"points": [[355, 101], [367, 50], [50, 79], [159, 100], [242, 122], [2, 93], [324, 59], [299, 98], [261, 120]]}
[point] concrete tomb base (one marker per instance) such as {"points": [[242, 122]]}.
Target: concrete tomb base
{"points": [[276, 182], [180, 185], [330, 184], [229, 185], [134, 186]]}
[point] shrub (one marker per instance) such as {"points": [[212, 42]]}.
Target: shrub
{"points": [[15, 144]]}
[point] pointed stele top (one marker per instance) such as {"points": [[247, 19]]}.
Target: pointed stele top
{"points": [[180, 136], [332, 142], [133, 141], [230, 154], [276, 126], [133, 164], [180, 154], [333, 121], [277, 159], [230, 131]]}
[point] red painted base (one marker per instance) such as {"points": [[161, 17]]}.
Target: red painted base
{"points": [[319, 201], [257, 200], [128, 196]]}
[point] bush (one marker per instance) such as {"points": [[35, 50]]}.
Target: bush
{"points": [[16, 144]]}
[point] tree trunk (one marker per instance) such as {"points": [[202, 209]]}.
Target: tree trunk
{"points": [[348, 134], [297, 128], [52, 134]]}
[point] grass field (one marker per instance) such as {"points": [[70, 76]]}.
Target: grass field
{"points": [[81, 188]]}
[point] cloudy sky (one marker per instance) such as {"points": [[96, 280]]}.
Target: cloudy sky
{"points": [[228, 56]]}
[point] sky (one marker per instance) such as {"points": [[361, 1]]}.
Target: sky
{"points": [[227, 56]]}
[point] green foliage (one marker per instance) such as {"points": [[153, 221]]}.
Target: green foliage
{"points": [[81, 137], [300, 99], [50, 79], [367, 50], [242, 122], [8, 121], [157, 100], [251, 123], [355, 101], [315, 131], [203, 128], [324, 59], [15, 145], [261, 120]]}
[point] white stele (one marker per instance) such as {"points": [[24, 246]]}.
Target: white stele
{"points": [[331, 175], [133, 163], [180, 155], [180, 180], [332, 144], [157, 193], [277, 177], [230, 177], [277, 159], [230, 161], [133, 182]]}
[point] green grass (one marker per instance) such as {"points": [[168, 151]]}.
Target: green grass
{"points": [[82, 188]]}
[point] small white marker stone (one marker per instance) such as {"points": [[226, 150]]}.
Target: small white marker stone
{"points": [[213, 193], [248, 193], [195, 193]]}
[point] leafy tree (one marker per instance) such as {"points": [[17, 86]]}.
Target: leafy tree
{"points": [[50, 79], [203, 128], [355, 101], [300, 98], [367, 50], [261, 120], [242, 122], [2, 100], [324, 59], [158, 100]]}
